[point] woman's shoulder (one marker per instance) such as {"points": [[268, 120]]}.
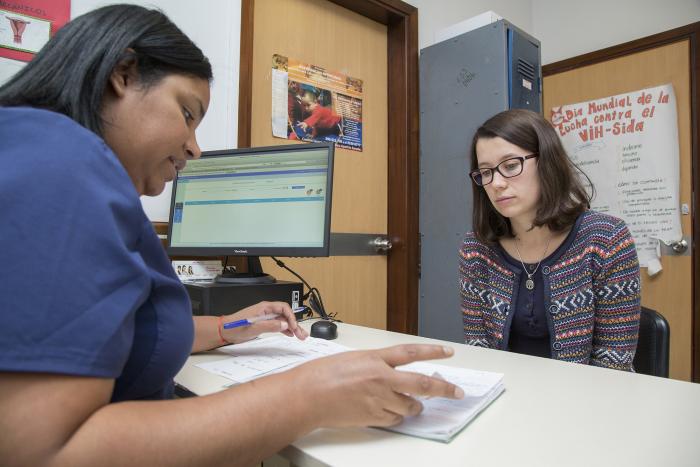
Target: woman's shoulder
{"points": [[594, 221], [603, 231], [44, 122], [477, 257], [471, 241], [49, 135], [472, 247], [51, 143], [47, 154]]}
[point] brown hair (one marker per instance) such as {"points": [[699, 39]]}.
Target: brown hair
{"points": [[563, 196]]}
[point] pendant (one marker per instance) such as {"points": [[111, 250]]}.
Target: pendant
{"points": [[530, 284]]}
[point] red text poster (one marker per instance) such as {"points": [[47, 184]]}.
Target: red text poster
{"points": [[627, 145], [26, 25]]}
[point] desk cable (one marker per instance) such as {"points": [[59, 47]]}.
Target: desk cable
{"points": [[313, 295]]}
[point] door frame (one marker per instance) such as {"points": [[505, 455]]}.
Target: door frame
{"points": [[691, 33], [401, 20]]}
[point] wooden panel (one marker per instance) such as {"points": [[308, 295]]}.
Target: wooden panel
{"points": [[670, 291], [404, 180], [324, 34], [245, 80], [354, 287]]}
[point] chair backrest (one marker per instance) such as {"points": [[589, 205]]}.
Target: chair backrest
{"points": [[653, 345]]}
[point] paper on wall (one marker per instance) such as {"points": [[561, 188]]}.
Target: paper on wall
{"points": [[628, 146]]}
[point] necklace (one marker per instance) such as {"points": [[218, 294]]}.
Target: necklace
{"points": [[529, 283]]}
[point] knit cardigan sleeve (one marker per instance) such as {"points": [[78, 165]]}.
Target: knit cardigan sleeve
{"points": [[472, 315], [617, 294]]}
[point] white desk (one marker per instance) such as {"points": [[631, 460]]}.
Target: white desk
{"points": [[551, 414]]}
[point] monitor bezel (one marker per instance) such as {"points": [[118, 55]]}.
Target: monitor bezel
{"points": [[283, 251]]}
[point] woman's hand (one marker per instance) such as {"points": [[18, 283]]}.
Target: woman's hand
{"points": [[362, 388], [285, 322]]}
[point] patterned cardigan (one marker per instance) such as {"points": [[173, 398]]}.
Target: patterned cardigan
{"points": [[592, 295]]}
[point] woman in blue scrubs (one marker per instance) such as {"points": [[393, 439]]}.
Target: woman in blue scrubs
{"points": [[94, 323]]}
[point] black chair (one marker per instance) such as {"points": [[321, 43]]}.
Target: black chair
{"points": [[653, 346]]}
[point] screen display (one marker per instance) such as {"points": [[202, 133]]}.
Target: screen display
{"points": [[254, 201]]}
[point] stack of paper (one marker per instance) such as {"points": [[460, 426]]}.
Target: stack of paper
{"points": [[441, 418]]}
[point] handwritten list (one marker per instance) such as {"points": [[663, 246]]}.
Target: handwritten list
{"points": [[628, 146]]}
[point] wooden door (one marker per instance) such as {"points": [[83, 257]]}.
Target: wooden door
{"points": [[671, 291], [327, 35]]}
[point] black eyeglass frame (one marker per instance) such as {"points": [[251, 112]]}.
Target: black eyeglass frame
{"points": [[477, 173]]}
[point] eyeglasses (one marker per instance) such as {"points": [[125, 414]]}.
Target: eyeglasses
{"points": [[508, 168]]}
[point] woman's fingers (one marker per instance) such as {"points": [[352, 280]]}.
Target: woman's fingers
{"points": [[375, 393], [403, 405], [285, 321], [300, 333], [418, 384], [272, 325], [279, 325], [407, 353], [284, 311], [388, 419]]}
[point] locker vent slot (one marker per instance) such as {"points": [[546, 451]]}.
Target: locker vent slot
{"points": [[526, 69]]}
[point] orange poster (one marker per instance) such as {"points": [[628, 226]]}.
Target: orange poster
{"points": [[310, 103]]}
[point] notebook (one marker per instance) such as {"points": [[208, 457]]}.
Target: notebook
{"points": [[442, 419]]}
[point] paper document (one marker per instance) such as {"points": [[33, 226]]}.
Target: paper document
{"points": [[268, 355], [442, 418]]}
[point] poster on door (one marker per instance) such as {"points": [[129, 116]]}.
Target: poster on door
{"points": [[310, 103], [628, 146], [26, 25]]}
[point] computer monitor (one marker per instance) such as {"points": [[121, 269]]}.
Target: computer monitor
{"points": [[267, 201]]}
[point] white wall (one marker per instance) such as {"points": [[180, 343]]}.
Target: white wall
{"points": [[9, 67], [434, 15], [568, 28], [565, 28], [214, 26]]}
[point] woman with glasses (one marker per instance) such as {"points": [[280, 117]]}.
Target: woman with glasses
{"points": [[541, 274]]}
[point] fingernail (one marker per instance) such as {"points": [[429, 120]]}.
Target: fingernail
{"points": [[459, 392], [284, 326], [448, 350]]}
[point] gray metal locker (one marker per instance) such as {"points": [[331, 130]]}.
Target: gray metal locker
{"points": [[463, 81]]}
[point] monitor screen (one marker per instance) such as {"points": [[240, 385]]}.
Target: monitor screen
{"points": [[270, 201]]}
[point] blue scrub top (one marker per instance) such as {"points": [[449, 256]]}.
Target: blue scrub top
{"points": [[86, 287]]}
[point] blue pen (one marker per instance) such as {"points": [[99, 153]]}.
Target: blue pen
{"points": [[255, 319]]}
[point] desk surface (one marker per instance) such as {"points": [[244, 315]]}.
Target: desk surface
{"points": [[551, 413]]}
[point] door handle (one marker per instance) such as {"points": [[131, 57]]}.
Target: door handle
{"points": [[680, 246], [381, 244], [359, 244]]}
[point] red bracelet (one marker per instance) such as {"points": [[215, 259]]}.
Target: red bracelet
{"points": [[219, 328]]}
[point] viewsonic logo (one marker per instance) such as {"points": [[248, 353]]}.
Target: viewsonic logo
{"points": [[18, 26], [240, 251]]}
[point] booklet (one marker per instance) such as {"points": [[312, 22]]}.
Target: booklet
{"points": [[441, 418]]}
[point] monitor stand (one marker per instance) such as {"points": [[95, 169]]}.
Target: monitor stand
{"points": [[255, 274]]}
